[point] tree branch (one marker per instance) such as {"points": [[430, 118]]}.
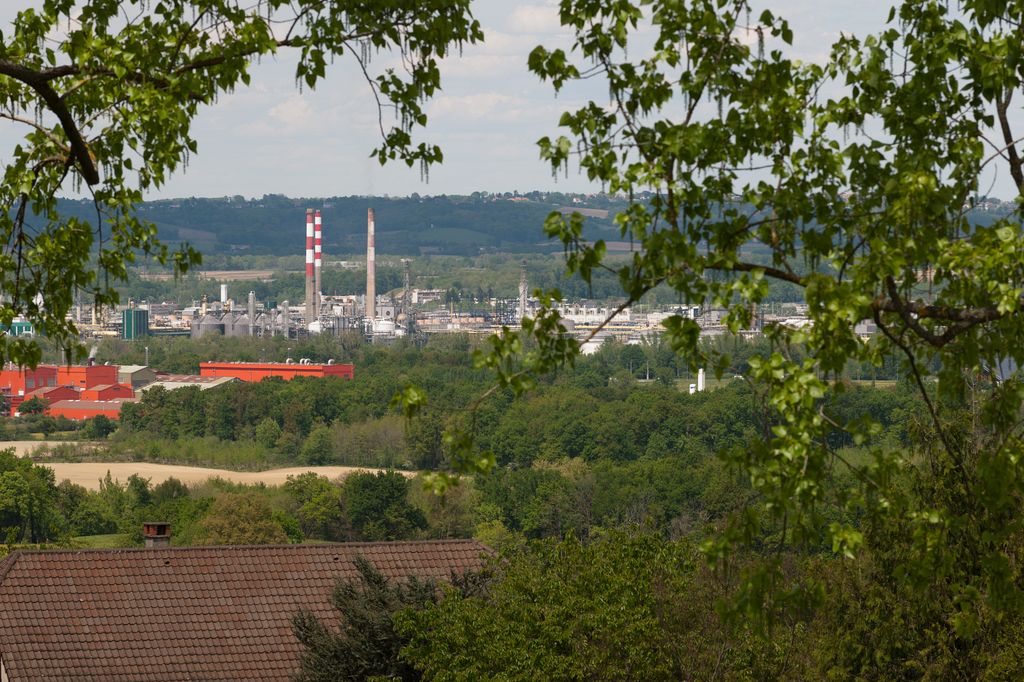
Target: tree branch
{"points": [[39, 81], [1002, 103]]}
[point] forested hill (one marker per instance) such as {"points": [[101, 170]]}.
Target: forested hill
{"points": [[445, 224], [275, 224]]}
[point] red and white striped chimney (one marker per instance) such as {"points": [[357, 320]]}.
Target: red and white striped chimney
{"points": [[371, 269], [309, 266], [317, 255]]}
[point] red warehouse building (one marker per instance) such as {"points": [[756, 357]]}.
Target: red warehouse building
{"points": [[86, 376], [108, 392], [257, 371], [49, 395], [85, 409], [17, 381]]}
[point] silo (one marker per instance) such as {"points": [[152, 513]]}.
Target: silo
{"points": [[210, 324]]}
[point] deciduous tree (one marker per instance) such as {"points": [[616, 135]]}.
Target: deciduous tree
{"points": [[851, 180]]}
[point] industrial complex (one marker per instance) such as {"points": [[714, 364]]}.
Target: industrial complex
{"points": [[383, 318]]}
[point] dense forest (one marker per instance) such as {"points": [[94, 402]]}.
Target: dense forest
{"points": [[614, 441]]}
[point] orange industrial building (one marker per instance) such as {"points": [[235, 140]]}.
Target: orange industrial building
{"points": [[108, 392], [86, 376], [257, 371], [48, 394], [17, 381], [85, 409], [52, 394]]}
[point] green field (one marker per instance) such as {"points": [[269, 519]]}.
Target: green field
{"points": [[109, 541]]}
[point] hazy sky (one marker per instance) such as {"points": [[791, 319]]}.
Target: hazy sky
{"points": [[272, 138]]}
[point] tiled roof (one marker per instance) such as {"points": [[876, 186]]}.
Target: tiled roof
{"points": [[202, 613]]}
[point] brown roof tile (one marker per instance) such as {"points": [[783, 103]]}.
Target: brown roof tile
{"points": [[198, 613]]}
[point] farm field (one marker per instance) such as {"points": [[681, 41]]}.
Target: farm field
{"points": [[88, 474]]}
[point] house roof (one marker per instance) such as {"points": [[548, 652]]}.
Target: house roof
{"points": [[197, 613]]}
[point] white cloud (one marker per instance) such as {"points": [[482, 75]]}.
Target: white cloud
{"points": [[484, 105], [535, 19], [481, 66], [294, 113]]}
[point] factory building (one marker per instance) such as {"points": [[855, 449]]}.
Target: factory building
{"points": [[85, 409], [48, 395], [108, 392], [86, 376], [135, 376], [134, 323], [15, 382], [257, 371]]}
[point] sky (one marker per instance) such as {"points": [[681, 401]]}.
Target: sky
{"points": [[272, 138]]}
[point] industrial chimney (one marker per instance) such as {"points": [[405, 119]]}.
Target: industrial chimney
{"points": [[310, 313], [371, 271], [407, 295], [523, 292], [317, 251], [252, 313]]}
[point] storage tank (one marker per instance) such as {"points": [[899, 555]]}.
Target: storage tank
{"points": [[383, 326], [239, 325], [208, 324]]}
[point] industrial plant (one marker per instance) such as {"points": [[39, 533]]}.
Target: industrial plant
{"points": [[414, 313]]}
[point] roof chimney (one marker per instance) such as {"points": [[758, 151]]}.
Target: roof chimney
{"points": [[157, 534]]}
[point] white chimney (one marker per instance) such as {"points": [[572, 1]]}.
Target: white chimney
{"points": [[310, 294], [371, 269]]}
